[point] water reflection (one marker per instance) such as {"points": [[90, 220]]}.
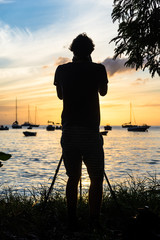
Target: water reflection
{"points": [[35, 159]]}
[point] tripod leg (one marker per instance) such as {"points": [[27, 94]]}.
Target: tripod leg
{"points": [[54, 178], [110, 188], [80, 187]]}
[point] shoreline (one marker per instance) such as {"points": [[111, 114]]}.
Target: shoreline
{"points": [[23, 217]]}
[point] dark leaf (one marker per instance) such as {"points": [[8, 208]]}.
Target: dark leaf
{"points": [[5, 156]]}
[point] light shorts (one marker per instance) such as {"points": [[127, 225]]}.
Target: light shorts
{"points": [[82, 144]]}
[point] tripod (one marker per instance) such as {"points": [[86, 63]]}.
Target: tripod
{"points": [[55, 175]]}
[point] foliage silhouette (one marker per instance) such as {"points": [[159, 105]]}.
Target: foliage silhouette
{"points": [[4, 157], [138, 33]]}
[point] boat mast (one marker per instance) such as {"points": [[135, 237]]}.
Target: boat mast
{"points": [[28, 113], [16, 109], [35, 114], [130, 112]]}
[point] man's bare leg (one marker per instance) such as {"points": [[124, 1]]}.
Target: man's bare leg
{"points": [[95, 199], [71, 195]]}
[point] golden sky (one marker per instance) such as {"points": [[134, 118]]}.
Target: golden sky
{"points": [[32, 47]]}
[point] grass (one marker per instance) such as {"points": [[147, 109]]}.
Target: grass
{"points": [[24, 217]]}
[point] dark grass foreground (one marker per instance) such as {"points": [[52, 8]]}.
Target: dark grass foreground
{"points": [[24, 218]]}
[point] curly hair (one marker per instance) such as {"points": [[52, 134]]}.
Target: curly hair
{"points": [[82, 45]]}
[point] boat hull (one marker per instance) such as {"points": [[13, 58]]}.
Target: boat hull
{"points": [[16, 127], [50, 128], [29, 134], [2, 128], [127, 125], [27, 124], [107, 127], [34, 125], [138, 128]]}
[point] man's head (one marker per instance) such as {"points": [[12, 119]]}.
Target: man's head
{"points": [[82, 45]]}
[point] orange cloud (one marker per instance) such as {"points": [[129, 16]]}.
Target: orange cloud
{"points": [[140, 81], [62, 60], [44, 67], [116, 66], [150, 105]]}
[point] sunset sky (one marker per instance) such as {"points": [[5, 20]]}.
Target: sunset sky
{"points": [[34, 39]]}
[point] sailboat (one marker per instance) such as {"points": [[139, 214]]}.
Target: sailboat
{"points": [[28, 124], [138, 128], [134, 127], [35, 125], [129, 124], [15, 124]]}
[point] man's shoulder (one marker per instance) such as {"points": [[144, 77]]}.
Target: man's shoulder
{"points": [[65, 65], [71, 65], [98, 67]]}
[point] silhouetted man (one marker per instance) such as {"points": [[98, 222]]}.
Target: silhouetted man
{"points": [[78, 84]]}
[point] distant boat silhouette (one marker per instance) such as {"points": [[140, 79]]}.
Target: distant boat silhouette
{"points": [[129, 124], [29, 134], [50, 127], [28, 124], [3, 128], [15, 124], [35, 125], [134, 127], [138, 128], [107, 127], [58, 126]]}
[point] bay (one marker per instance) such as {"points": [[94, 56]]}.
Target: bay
{"points": [[35, 159]]}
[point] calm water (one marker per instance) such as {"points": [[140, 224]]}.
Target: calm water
{"points": [[34, 159]]}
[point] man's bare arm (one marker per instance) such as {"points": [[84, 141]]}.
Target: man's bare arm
{"points": [[59, 92], [103, 83], [103, 89]]}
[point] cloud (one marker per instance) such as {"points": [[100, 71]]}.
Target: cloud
{"points": [[108, 105], [5, 62], [157, 105], [116, 66], [62, 60], [6, 1], [140, 81]]}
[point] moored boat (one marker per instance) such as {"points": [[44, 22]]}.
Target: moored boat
{"points": [[28, 134], [107, 127], [138, 128], [134, 127], [58, 126], [15, 124], [126, 125], [129, 124], [34, 125], [3, 128], [27, 123], [50, 127]]}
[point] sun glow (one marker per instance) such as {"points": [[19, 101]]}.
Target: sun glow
{"points": [[31, 49]]}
